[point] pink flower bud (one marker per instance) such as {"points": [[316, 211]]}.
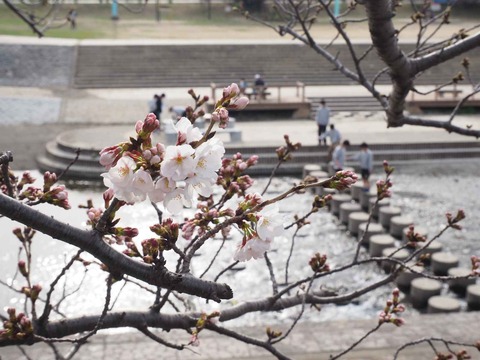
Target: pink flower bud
{"points": [[238, 103], [138, 126]]}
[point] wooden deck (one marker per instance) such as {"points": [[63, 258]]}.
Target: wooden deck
{"points": [[278, 101]]}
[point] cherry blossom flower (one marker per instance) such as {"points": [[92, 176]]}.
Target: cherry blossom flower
{"points": [[186, 131], [120, 178], [252, 249], [178, 162], [269, 224], [161, 187], [177, 199]]}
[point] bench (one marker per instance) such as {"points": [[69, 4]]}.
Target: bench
{"points": [[441, 92], [253, 93]]}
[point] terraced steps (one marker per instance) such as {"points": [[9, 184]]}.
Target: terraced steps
{"points": [[60, 153], [133, 66]]}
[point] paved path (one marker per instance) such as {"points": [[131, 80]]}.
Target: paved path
{"points": [[309, 341]]}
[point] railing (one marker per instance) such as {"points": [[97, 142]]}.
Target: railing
{"points": [[266, 92]]}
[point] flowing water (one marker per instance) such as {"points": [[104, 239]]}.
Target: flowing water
{"points": [[425, 193]]}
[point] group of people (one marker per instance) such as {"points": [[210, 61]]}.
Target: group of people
{"points": [[337, 152]]}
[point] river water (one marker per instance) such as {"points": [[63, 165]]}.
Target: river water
{"points": [[426, 193]]}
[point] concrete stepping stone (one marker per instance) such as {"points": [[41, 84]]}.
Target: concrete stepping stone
{"points": [[386, 213], [338, 199], [373, 229], [431, 249], [398, 223], [346, 209], [309, 168], [355, 190], [381, 203], [442, 261], [442, 304], [378, 243], [423, 289], [401, 255], [365, 197], [459, 286], [406, 276], [473, 297], [354, 221]]}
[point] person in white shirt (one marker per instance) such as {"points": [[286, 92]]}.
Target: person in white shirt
{"points": [[339, 155], [322, 117], [335, 138], [365, 159]]}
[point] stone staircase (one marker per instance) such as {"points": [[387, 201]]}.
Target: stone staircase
{"points": [[60, 153], [131, 66], [346, 104]]}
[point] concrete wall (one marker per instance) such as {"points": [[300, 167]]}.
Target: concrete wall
{"points": [[36, 65]]}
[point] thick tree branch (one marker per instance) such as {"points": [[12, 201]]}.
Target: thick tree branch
{"points": [[437, 57], [117, 263], [385, 41]]}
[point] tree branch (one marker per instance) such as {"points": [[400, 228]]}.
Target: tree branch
{"points": [[92, 242]]}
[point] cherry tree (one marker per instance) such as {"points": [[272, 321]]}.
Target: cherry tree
{"points": [[192, 173], [402, 66]]}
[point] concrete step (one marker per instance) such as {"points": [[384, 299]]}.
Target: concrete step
{"points": [[198, 65]]}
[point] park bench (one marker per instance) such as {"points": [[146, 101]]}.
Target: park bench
{"points": [[234, 133], [439, 93], [261, 93]]}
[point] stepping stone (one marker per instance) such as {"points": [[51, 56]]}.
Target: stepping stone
{"points": [[381, 203], [442, 304], [423, 289], [442, 261], [406, 276], [401, 255], [378, 243], [346, 209], [354, 221], [386, 213], [355, 190], [473, 297], [431, 249], [338, 199], [308, 168], [459, 286], [398, 223], [373, 229], [366, 196]]}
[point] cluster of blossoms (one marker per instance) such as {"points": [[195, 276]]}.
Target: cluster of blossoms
{"points": [[16, 327], [413, 238], [202, 321], [318, 263], [453, 221], [231, 175], [475, 265], [259, 229], [392, 309], [284, 153], [459, 355], [342, 180], [51, 194], [171, 174]]}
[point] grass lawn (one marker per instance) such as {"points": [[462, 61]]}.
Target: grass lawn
{"points": [[94, 22]]}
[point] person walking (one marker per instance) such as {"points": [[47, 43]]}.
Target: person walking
{"points": [[335, 138], [322, 117], [365, 159], [158, 105], [339, 155]]}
